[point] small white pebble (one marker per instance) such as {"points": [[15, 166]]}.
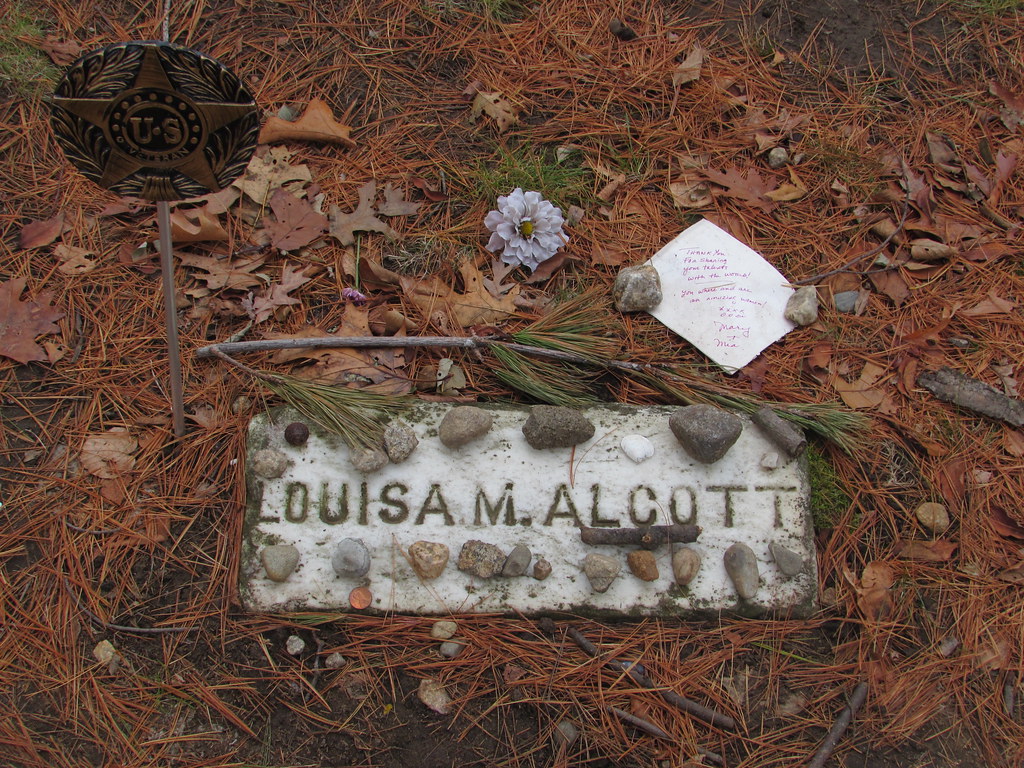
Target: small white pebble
{"points": [[334, 661], [295, 645]]}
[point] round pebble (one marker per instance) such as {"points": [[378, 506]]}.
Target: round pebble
{"points": [[554, 426], [463, 424], [399, 442], [565, 734], [685, 564], [517, 562], [279, 561], [367, 460], [637, 289], [643, 564], [637, 447], [296, 433], [444, 629], [452, 648], [601, 571], [741, 565], [269, 463], [705, 432], [294, 645], [802, 307], [788, 561], [334, 660], [479, 558], [351, 558], [933, 516]]}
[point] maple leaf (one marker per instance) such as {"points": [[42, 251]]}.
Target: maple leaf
{"points": [[262, 307], [316, 124], [343, 226], [750, 188], [295, 223], [395, 205], [225, 273], [22, 321]]}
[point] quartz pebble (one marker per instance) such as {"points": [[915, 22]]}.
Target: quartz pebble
{"points": [[279, 560], [601, 570], [351, 558], [518, 561], [334, 660], [399, 442], [554, 426], [367, 460], [432, 693], [463, 424], [637, 289], [685, 564], [294, 645], [452, 648], [933, 516], [741, 565], [444, 629], [802, 307], [643, 564], [428, 558], [788, 561], [478, 558], [269, 463], [541, 569], [705, 432], [778, 157], [637, 447]]}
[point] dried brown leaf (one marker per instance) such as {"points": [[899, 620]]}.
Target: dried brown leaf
{"points": [[316, 124], [690, 193], [1005, 525], [751, 188], [225, 273], [1012, 111], [61, 52], [689, 68], [993, 304], [862, 393], [429, 192], [609, 254], [494, 105], [932, 551], [269, 170], [74, 260], [787, 192], [395, 204], [196, 225], [295, 223], [343, 226], [262, 307], [476, 306], [36, 234], [109, 455], [21, 321]]}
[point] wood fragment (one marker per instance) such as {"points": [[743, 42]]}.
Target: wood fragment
{"points": [[784, 435], [648, 536], [860, 693], [1009, 694], [639, 723], [954, 387]]}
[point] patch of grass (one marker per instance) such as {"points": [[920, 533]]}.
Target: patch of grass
{"points": [[990, 7], [564, 184], [24, 72], [828, 498]]}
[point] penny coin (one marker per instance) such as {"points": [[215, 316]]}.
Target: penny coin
{"points": [[360, 597]]}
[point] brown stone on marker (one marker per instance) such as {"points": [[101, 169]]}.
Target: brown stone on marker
{"points": [[643, 564], [463, 424], [428, 558]]}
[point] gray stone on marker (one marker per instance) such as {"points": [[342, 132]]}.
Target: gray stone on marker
{"points": [[637, 289], [741, 565], [351, 558], [368, 460], [601, 570], [269, 463], [706, 432], [554, 426], [463, 424], [802, 307], [279, 561], [399, 442], [788, 561], [518, 561], [479, 558]]}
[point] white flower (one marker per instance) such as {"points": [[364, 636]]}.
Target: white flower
{"points": [[526, 228]]}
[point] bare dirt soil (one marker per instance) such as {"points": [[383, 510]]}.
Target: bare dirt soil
{"points": [[902, 125]]}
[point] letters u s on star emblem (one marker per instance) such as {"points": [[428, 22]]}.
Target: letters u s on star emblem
{"points": [[155, 121]]}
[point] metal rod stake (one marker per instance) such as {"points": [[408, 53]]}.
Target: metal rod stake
{"points": [[163, 217]]}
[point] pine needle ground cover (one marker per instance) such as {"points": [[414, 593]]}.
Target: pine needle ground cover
{"points": [[874, 155]]}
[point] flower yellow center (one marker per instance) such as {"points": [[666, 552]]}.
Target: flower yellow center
{"points": [[526, 228]]}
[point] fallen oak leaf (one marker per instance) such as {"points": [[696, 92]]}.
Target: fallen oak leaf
{"points": [[750, 188], [343, 226], [74, 260], [789, 191], [495, 106], [61, 53], [196, 225], [109, 455], [21, 321], [225, 273], [317, 124], [261, 308], [993, 304], [931, 551], [862, 392], [609, 255], [395, 204], [1005, 525], [1012, 111], [295, 223], [475, 306], [690, 193], [873, 594], [36, 234], [267, 171]]}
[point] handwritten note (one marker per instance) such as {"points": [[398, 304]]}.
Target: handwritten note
{"points": [[720, 295]]}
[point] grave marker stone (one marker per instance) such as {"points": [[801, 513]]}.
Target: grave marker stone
{"points": [[498, 526]]}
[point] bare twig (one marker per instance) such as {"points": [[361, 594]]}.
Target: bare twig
{"points": [[639, 722], [860, 693], [121, 627]]}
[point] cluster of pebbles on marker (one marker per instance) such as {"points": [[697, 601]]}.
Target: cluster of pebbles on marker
{"points": [[705, 432]]}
